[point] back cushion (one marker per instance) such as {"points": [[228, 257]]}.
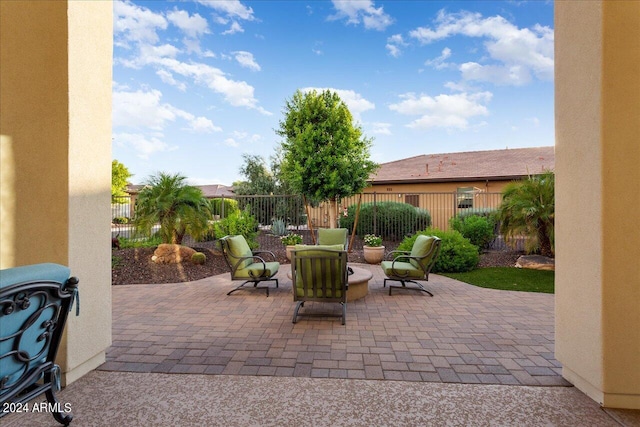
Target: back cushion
{"points": [[420, 248], [239, 248], [332, 236]]}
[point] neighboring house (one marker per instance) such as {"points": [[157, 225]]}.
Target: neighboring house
{"points": [[446, 184], [487, 171]]}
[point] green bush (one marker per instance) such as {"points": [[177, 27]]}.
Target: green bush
{"points": [[479, 230], [239, 223], [198, 258], [230, 206], [145, 242], [457, 254], [393, 220]]}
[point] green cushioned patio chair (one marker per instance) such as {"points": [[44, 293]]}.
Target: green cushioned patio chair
{"points": [[247, 265], [412, 266], [333, 236], [319, 273]]}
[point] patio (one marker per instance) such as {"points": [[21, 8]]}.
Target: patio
{"points": [[188, 354], [464, 334]]}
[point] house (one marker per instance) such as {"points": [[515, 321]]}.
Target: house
{"points": [[487, 171]]}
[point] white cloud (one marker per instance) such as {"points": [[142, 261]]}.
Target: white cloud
{"points": [[234, 28], [231, 8], [361, 11], [231, 142], [381, 128], [143, 110], [238, 138], [394, 45], [168, 78], [354, 101], [440, 63], [246, 60], [236, 93], [446, 111], [193, 26], [518, 53], [135, 23], [202, 125], [144, 145]]}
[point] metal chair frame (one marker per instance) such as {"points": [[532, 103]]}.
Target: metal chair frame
{"points": [[405, 256], [255, 257]]}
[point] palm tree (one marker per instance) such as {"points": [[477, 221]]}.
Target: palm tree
{"points": [[528, 208], [178, 208]]}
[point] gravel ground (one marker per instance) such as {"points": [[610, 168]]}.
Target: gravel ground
{"points": [[132, 266]]}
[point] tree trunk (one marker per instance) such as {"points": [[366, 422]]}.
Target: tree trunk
{"points": [[333, 217], [544, 241]]}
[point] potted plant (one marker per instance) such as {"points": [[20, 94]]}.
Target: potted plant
{"points": [[373, 249], [290, 241]]}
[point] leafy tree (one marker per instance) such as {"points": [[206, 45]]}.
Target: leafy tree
{"points": [[119, 178], [325, 155], [179, 208], [259, 180], [528, 208]]}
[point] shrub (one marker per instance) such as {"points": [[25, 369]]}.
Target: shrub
{"points": [[145, 242], [457, 254], [291, 239], [278, 227], [230, 206], [239, 223], [393, 220], [120, 220], [372, 240], [479, 230], [198, 258]]}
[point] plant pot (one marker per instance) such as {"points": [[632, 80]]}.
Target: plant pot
{"points": [[373, 254], [289, 249]]}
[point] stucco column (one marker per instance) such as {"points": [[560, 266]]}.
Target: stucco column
{"points": [[55, 127], [597, 83]]}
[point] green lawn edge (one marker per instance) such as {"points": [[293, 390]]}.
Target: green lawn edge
{"points": [[508, 279]]}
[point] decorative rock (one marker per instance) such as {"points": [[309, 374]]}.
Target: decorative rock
{"points": [[536, 262], [167, 253]]}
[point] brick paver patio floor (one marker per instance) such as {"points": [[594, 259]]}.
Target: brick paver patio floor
{"points": [[463, 334]]}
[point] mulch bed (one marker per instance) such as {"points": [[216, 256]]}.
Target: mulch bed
{"points": [[134, 266]]}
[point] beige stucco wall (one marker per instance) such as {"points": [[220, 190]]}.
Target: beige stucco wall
{"points": [[597, 245], [55, 127]]}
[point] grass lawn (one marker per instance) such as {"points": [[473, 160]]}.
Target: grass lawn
{"points": [[508, 279]]}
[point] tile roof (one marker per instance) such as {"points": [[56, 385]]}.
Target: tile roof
{"points": [[468, 166]]}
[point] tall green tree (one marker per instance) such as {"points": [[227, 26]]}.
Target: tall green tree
{"points": [[528, 207], [258, 178], [119, 179], [179, 208], [324, 154]]}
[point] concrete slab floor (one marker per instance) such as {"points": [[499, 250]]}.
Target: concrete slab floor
{"points": [[150, 399]]}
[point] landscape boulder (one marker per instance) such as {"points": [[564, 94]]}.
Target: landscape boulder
{"points": [[536, 262], [167, 253]]}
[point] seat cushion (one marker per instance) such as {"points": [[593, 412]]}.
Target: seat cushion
{"points": [[421, 247], [268, 269], [238, 248], [401, 269]]}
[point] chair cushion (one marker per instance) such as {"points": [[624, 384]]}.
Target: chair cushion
{"points": [[401, 269], [46, 271], [332, 236], [420, 248], [238, 248], [331, 270], [309, 249], [268, 269]]}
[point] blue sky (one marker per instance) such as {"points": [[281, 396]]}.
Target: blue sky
{"points": [[198, 83]]}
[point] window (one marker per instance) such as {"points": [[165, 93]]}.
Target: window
{"points": [[412, 199], [465, 197]]}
